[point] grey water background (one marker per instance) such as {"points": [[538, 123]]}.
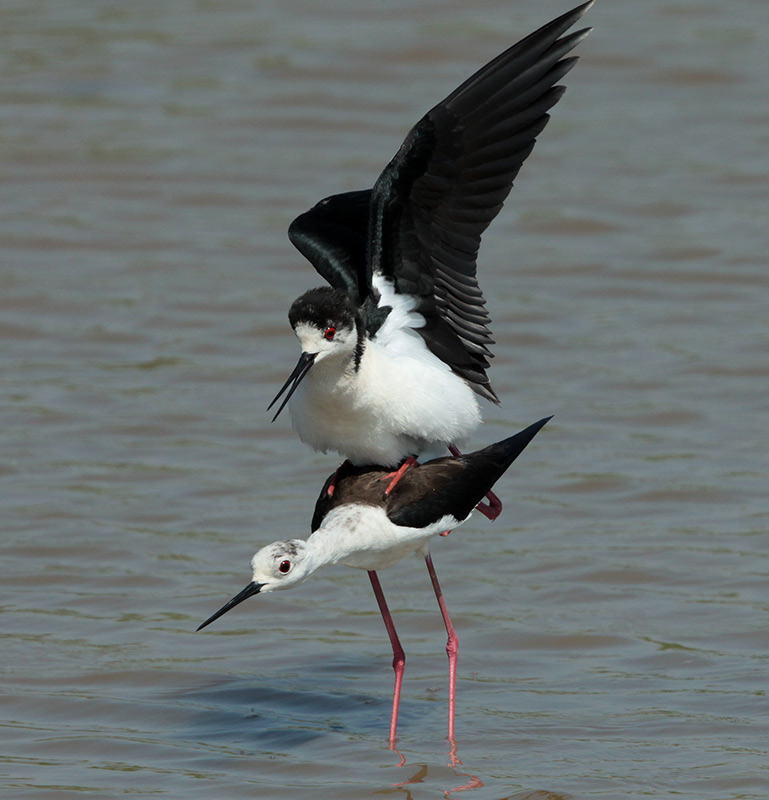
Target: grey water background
{"points": [[612, 623]]}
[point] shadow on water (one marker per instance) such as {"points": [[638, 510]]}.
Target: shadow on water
{"points": [[281, 713], [243, 711], [237, 714]]}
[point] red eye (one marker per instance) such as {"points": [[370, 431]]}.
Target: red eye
{"points": [[284, 567], [330, 333]]}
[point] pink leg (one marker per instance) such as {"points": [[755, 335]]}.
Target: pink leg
{"points": [[399, 657], [493, 508], [335, 478], [452, 646], [398, 474]]}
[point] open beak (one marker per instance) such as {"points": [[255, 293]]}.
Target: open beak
{"points": [[306, 360], [250, 590]]}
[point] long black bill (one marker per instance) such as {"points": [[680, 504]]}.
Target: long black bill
{"points": [[306, 360], [250, 590]]}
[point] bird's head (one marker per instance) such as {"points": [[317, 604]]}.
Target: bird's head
{"points": [[279, 565], [324, 321]]}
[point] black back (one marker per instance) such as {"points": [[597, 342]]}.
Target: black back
{"points": [[426, 492]]}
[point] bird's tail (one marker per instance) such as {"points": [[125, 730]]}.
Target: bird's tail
{"points": [[485, 467], [497, 457]]}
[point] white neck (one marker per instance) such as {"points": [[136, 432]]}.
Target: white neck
{"points": [[362, 536]]}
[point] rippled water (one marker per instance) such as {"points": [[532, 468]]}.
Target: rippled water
{"points": [[612, 622]]}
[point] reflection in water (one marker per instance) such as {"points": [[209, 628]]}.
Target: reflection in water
{"points": [[420, 776], [469, 782], [257, 718]]}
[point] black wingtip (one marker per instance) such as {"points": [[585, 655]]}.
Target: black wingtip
{"points": [[461, 482], [570, 17], [513, 446]]}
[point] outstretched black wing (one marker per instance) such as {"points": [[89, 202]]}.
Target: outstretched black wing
{"points": [[333, 237], [448, 181]]}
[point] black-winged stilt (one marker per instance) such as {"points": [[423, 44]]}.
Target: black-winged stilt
{"points": [[362, 525], [395, 349]]}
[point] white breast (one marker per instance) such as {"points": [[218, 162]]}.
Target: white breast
{"points": [[402, 401]]}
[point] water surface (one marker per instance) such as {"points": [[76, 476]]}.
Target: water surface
{"points": [[612, 622]]}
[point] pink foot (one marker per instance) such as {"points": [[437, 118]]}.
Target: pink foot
{"points": [[398, 474], [492, 509]]}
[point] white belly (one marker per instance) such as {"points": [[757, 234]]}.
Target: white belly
{"points": [[394, 406]]}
